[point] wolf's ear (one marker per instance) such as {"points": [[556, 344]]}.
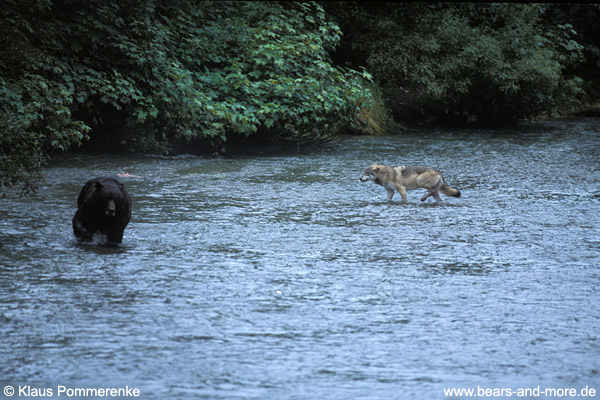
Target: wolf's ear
{"points": [[376, 169]]}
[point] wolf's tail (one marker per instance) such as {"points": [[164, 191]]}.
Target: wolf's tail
{"points": [[448, 191]]}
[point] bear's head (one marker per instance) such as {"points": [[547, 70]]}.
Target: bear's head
{"points": [[109, 195]]}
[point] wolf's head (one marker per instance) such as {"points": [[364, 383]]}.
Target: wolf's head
{"points": [[370, 173]]}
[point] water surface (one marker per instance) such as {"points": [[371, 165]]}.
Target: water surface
{"points": [[276, 274]]}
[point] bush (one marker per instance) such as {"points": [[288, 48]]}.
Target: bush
{"points": [[149, 75], [256, 68], [35, 119], [463, 62]]}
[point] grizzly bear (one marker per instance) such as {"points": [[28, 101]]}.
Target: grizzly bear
{"points": [[104, 206]]}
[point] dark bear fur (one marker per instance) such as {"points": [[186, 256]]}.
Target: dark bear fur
{"points": [[103, 206]]}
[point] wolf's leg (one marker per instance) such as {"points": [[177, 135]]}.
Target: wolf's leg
{"points": [[390, 193], [402, 191], [435, 191], [429, 193]]}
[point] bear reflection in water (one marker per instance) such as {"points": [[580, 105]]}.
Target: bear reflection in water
{"points": [[104, 206]]}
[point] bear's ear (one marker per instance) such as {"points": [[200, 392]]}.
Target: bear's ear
{"points": [[97, 185]]}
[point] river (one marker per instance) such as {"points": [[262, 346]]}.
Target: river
{"points": [[274, 273]]}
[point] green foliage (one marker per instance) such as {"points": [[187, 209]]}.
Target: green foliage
{"points": [[255, 68], [35, 119], [464, 62], [583, 23], [151, 75]]}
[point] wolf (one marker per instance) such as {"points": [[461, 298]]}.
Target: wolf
{"points": [[405, 178]]}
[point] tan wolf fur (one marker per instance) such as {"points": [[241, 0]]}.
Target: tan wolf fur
{"points": [[405, 178]]}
